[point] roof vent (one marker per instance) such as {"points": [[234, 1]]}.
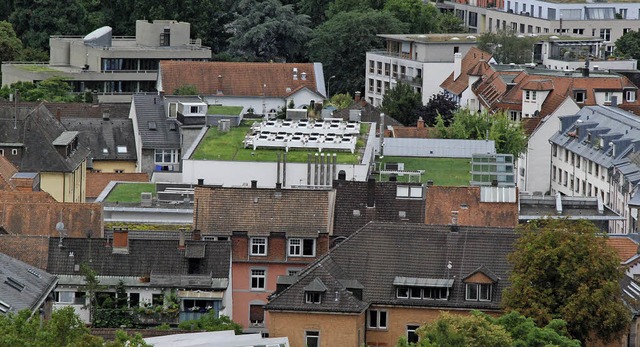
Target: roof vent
{"points": [[4, 307], [15, 284]]}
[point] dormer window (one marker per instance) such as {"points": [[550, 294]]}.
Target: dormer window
{"points": [[479, 285], [630, 95], [313, 297], [530, 95], [105, 151], [422, 288], [579, 96], [607, 96], [314, 291]]}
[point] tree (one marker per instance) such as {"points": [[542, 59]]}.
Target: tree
{"points": [[341, 101], [401, 103], [339, 6], [186, 89], [563, 269], [450, 23], [629, 44], [267, 30], [54, 89], [508, 135], [91, 288], [439, 104], [209, 322], [421, 17], [35, 21], [10, 44], [507, 46], [480, 329], [341, 44]]}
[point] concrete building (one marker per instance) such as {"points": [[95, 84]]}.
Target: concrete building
{"points": [[113, 66], [607, 20], [423, 61]]}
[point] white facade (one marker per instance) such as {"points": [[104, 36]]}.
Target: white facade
{"points": [[535, 163]]}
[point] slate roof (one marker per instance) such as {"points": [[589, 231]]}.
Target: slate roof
{"points": [[379, 252], [37, 213], [631, 294], [352, 196], [260, 211], [149, 109], [34, 131], [501, 88], [240, 79], [22, 286], [474, 63], [97, 181], [368, 113], [87, 110], [142, 259], [609, 123], [100, 134]]}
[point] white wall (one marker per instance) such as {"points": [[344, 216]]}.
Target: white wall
{"points": [[434, 74]]}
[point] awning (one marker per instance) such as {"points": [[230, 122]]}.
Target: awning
{"points": [[198, 294]]}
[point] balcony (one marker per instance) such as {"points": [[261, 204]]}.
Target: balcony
{"points": [[414, 80]]}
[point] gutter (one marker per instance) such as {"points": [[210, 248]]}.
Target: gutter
{"points": [[44, 295]]}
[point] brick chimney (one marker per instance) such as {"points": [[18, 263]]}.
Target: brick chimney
{"points": [[357, 97], [121, 241], [457, 65]]}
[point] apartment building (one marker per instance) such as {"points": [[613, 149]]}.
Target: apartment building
{"points": [[422, 61], [607, 20], [594, 154]]}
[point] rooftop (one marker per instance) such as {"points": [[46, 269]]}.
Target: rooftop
{"points": [[228, 146], [22, 286]]}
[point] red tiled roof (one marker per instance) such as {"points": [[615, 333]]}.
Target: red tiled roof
{"points": [[31, 249], [412, 132], [624, 246], [7, 170], [541, 85], [474, 63], [97, 181], [37, 213], [237, 79]]}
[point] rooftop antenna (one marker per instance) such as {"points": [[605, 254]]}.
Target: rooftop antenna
{"points": [[60, 229]]}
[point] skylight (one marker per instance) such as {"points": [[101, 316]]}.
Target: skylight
{"points": [[15, 284], [122, 149]]}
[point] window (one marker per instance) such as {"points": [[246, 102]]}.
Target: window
{"points": [[371, 66], [578, 160], [554, 172], [473, 19], [313, 297], [312, 338], [379, 65], [409, 191], [371, 85], [157, 299], [529, 95], [194, 109], [167, 156], [607, 96], [579, 96], [70, 297], [630, 95], [605, 34], [118, 170], [378, 86], [387, 69], [293, 272], [402, 292], [121, 149], [258, 246], [302, 247], [377, 319], [134, 299], [412, 337], [256, 315], [14, 152], [258, 278], [165, 37], [554, 149], [478, 292]]}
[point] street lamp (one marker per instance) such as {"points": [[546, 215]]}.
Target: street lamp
{"points": [[329, 85]]}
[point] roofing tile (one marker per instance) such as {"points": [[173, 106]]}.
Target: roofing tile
{"points": [[22, 286], [105, 138], [238, 79], [624, 246], [474, 63], [97, 181]]}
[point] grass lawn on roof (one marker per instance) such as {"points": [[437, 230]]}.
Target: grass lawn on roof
{"points": [[228, 146], [36, 68], [130, 192], [442, 171], [224, 110]]}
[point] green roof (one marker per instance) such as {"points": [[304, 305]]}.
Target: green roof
{"points": [[224, 110], [228, 146]]}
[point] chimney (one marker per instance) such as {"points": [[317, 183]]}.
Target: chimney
{"points": [[278, 187], [342, 175], [58, 114], [181, 243], [121, 240], [304, 76], [254, 184], [371, 192], [558, 203], [295, 73], [429, 183], [596, 68], [196, 235], [457, 65], [357, 97], [106, 114], [420, 122], [585, 72]]}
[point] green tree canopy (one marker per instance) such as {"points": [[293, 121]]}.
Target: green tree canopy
{"points": [[209, 322], [401, 104], [10, 44], [268, 30], [629, 44], [479, 329], [186, 89], [508, 135], [421, 17], [507, 46], [341, 101], [563, 269], [450, 23], [341, 44]]}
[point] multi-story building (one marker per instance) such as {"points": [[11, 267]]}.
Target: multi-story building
{"points": [[273, 232], [422, 61], [594, 153], [113, 66], [607, 20]]}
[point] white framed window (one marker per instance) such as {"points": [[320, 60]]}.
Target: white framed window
{"points": [[302, 247], [312, 338], [256, 314], [258, 246], [402, 292], [411, 333], [605, 34], [409, 192], [167, 156], [258, 279], [377, 319], [121, 149], [2, 152], [580, 96], [313, 297], [293, 272], [69, 297], [607, 96], [415, 293], [630, 95], [13, 152], [478, 291]]}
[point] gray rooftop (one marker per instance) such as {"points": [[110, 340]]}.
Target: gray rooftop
{"points": [[108, 139], [537, 206], [153, 124], [442, 148], [22, 286]]}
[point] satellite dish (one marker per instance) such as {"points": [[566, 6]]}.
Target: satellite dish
{"points": [[60, 227]]}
